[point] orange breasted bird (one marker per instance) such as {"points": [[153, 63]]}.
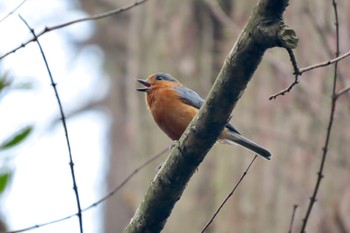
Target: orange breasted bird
{"points": [[173, 107]]}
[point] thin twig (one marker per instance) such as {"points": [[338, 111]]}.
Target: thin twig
{"points": [[71, 164], [342, 92], [326, 63], [94, 17], [13, 11], [296, 76], [298, 72], [321, 32], [98, 202], [292, 219], [294, 61], [286, 90], [229, 195], [127, 179], [320, 174]]}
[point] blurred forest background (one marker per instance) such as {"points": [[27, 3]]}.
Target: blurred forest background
{"points": [[190, 39]]}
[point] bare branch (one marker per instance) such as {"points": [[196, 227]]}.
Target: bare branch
{"points": [[326, 63], [296, 76], [292, 218], [320, 29], [320, 174], [229, 195], [298, 72], [13, 11], [63, 119], [286, 90], [342, 92], [132, 174], [94, 17]]}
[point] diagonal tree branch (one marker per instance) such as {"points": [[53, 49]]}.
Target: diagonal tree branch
{"points": [[94, 17], [13, 11], [229, 195], [342, 92], [298, 72], [295, 206], [296, 76], [264, 30], [325, 63]]}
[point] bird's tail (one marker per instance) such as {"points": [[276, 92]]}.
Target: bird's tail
{"points": [[236, 138]]}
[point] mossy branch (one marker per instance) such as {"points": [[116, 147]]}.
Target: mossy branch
{"points": [[264, 30]]}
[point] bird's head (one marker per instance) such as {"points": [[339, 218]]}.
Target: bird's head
{"points": [[157, 80]]}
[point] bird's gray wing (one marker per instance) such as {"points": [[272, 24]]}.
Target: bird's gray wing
{"points": [[191, 97]]}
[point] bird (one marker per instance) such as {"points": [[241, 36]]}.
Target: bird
{"points": [[173, 107]]}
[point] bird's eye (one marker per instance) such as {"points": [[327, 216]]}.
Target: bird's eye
{"points": [[159, 78]]}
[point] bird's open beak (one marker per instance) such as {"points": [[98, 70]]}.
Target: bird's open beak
{"points": [[145, 83]]}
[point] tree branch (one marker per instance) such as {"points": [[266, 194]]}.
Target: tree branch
{"points": [[320, 174], [295, 206], [94, 17], [13, 11], [326, 63], [229, 195], [263, 31], [65, 128], [298, 72], [296, 76], [342, 92]]}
